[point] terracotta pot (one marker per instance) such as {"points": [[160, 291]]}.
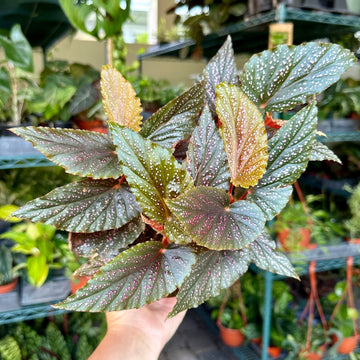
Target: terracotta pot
{"points": [[313, 356], [8, 287], [231, 337], [274, 351], [348, 344], [304, 242], [78, 283], [92, 125]]}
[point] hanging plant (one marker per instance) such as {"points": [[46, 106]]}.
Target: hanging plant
{"points": [[159, 218]]}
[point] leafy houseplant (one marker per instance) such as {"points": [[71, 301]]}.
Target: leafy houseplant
{"points": [[353, 224], [166, 219], [8, 272]]}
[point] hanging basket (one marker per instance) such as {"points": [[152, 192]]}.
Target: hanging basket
{"points": [[348, 344], [230, 337]]}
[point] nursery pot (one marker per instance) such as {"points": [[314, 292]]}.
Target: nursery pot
{"points": [[347, 344], [274, 351], [304, 242], [8, 287], [92, 125], [230, 337]]}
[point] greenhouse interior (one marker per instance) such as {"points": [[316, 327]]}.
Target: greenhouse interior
{"points": [[179, 179]]}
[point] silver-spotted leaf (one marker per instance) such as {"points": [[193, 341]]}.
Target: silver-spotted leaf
{"points": [[206, 157], [264, 255], [176, 120], [271, 200], [244, 135], [151, 171], [84, 206], [90, 267], [290, 149], [142, 274], [106, 244], [80, 152], [212, 272], [176, 232], [321, 152], [212, 222], [282, 78], [221, 68]]}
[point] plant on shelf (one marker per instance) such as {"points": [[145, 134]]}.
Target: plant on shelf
{"points": [[9, 272], [15, 75], [353, 224], [177, 205]]}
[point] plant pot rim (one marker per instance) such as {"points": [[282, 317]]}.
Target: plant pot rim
{"points": [[8, 287]]}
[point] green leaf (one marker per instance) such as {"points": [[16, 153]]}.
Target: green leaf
{"points": [[176, 232], [212, 272], [80, 152], [206, 157], [321, 152], [264, 255], [176, 120], [212, 222], [151, 171], [85, 97], [243, 132], [17, 49], [271, 200], [290, 149], [280, 79], [221, 68], [84, 206], [106, 244], [37, 269], [5, 86], [145, 273]]}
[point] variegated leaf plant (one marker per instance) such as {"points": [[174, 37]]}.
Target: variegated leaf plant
{"points": [[177, 205]]}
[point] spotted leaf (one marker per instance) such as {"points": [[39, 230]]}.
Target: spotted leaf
{"points": [[84, 206], [282, 78], [290, 149], [142, 274], [80, 152], [212, 222], [176, 232], [176, 120], [207, 161], [271, 200], [106, 244], [264, 255], [151, 171], [212, 272], [244, 135], [119, 99], [221, 68], [321, 152]]}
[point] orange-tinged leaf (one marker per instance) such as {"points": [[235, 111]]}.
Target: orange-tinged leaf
{"points": [[244, 135], [119, 99]]}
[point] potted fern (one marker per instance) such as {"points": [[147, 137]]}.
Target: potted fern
{"points": [[177, 206]]}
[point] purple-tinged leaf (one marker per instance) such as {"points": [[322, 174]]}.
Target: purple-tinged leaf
{"points": [[176, 120], [290, 149], [91, 267], [142, 274], [282, 78], [80, 152], [106, 244], [221, 68], [264, 255], [243, 132], [212, 222], [84, 206], [151, 171], [212, 272], [176, 231], [271, 200], [321, 152], [206, 157]]}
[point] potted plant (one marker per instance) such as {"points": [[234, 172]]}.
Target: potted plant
{"points": [[8, 271], [167, 221], [353, 224]]}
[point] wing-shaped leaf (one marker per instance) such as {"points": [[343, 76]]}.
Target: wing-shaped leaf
{"points": [[108, 243], [143, 274], [80, 152], [321, 152], [264, 255], [212, 272], [119, 99], [207, 161], [271, 200], [151, 171], [244, 135], [221, 68], [280, 79], [212, 222], [290, 149], [84, 206], [176, 120]]}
